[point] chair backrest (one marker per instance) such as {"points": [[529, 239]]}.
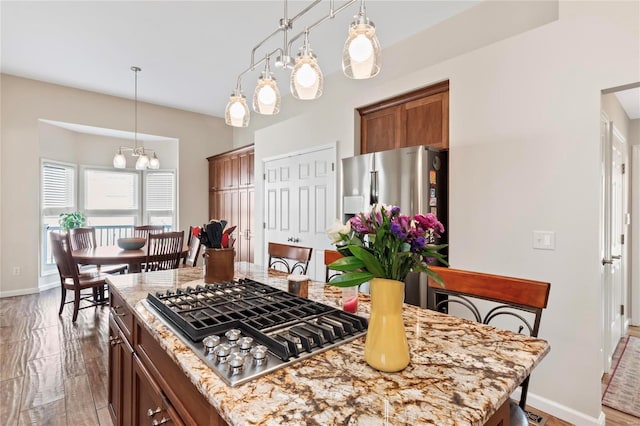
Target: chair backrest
{"points": [[331, 256], [191, 259], [143, 231], [164, 250], [61, 248], [512, 297], [290, 259], [82, 238]]}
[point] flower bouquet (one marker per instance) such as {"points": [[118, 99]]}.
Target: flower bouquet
{"points": [[383, 243], [382, 246]]}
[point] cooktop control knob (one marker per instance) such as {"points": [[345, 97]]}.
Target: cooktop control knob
{"points": [[210, 342], [222, 352], [233, 335], [236, 361], [259, 354], [245, 344]]}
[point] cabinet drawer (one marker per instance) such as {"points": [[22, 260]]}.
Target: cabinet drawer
{"points": [[122, 315], [188, 402]]}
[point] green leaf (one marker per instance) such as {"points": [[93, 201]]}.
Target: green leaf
{"points": [[370, 262], [435, 276], [350, 263], [350, 279]]}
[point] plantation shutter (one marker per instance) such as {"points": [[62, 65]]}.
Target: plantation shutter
{"points": [[160, 191], [58, 187]]}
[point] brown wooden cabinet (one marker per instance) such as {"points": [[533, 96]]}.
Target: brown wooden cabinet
{"points": [[231, 196], [120, 361], [145, 384], [417, 118]]}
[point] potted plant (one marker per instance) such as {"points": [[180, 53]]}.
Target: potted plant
{"points": [[72, 220]]}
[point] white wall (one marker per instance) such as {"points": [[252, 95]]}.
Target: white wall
{"points": [[24, 102], [524, 156]]}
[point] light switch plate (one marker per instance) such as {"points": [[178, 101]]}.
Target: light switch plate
{"points": [[544, 240]]}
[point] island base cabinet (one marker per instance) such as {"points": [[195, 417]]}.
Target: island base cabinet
{"points": [[120, 373], [149, 404]]}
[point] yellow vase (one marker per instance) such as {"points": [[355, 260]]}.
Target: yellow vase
{"points": [[386, 348]]}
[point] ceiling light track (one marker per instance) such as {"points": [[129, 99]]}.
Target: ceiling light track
{"points": [[360, 60]]}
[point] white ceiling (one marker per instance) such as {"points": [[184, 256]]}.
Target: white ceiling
{"points": [[630, 101], [190, 52]]}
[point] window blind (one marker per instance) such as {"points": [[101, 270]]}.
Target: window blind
{"points": [[159, 191], [58, 186]]}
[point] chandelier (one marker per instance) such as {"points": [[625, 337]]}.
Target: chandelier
{"points": [[360, 60], [143, 162]]}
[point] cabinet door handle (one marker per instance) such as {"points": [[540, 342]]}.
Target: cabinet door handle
{"points": [[114, 340], [162, 421], [115, 313], [151, 413]]}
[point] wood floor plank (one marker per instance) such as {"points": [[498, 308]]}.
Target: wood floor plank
{"points": [[14, 331], [98, 380], [104, 417], [44, 342], [72, 360], [79, 400], [10, 391], [14, 360], [43, 383], [52, 414]]}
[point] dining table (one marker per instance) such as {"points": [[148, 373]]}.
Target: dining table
{"points": [[114, 255]]}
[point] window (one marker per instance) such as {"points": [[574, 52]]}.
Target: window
{"points": [[57, 195], [113, 201], [160, 199]]}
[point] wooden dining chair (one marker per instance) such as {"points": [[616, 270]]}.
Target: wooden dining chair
{"points": [[191, 259], [143, 231], [289, 259], [164, 251], [331, 256], [72, 279], [518, 299], [86, 238]]}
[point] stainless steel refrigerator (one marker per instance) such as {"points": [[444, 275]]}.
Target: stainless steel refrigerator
{"points": [[414, 178]]}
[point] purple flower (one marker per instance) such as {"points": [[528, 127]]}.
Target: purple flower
{"points": [[395, 210], [358, 225], [429, 221], [396, 229], [418, 244]]}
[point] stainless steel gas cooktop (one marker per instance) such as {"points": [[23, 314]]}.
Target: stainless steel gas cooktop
{"points": [[245, 329]]}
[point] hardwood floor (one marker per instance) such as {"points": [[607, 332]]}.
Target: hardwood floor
{"points": [[54, 372]]}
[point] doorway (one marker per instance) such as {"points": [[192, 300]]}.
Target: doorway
{"points": [[619, 218]]}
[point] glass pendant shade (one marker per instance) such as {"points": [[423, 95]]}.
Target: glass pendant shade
{"points": [[306, 78], [266, 98], [154, 163], [119, 161], [143, 162], [361, 54], [236, 113]]}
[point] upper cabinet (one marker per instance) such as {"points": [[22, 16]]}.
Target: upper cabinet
{"points": [[417, 118]]}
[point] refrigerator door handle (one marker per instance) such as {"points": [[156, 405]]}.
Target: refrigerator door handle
{"points": [[373, 198]]}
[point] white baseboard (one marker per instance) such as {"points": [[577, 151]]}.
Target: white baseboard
{"points": [[563, 412], [19, 292]]}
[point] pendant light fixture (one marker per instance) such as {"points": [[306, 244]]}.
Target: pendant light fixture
{"points": [[361, 54], [306, 77], [266, 98], [143, 162], [361, 59], [236, 113]]}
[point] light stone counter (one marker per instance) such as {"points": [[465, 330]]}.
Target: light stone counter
{"points": [[460, 372]]}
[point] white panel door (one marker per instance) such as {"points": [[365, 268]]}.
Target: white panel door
{"points": [[300, 203]]}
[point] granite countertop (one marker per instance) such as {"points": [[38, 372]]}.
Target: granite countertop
{"points": [[460, 372]]}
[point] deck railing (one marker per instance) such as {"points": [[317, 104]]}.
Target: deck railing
{"points": [[106, 235]]}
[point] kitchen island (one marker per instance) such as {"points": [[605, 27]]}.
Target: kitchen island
{"points": [[461, 372]]}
